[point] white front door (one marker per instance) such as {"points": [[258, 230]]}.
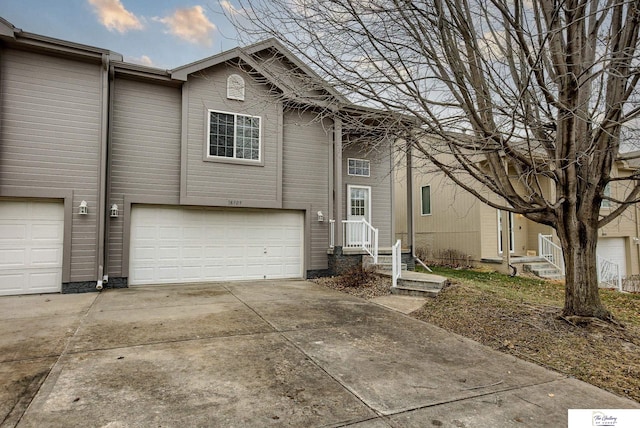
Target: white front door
{"points": [[358, 209]]}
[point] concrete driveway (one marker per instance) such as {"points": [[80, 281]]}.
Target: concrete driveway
{"points": [[258, 354]]}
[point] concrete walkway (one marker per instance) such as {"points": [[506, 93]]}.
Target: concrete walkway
{"points": [[259, 354]]}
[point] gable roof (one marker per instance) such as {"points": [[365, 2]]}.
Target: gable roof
{"points": [[249, 55]]}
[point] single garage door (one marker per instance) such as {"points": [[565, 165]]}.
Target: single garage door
{"points": [[178, 245], [613, 249], [31, 243]]}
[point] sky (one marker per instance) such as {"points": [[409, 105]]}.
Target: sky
{"points": [[159, 33]]}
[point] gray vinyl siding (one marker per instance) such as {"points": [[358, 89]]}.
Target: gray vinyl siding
{"points": [[380, 182], [145, 151], [305, 176], [249, 183], [50, 132]]}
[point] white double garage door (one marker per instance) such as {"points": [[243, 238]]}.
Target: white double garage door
{"points": [[180, 245]]}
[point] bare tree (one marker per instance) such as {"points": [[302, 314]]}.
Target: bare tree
{"points": [[542, 90]]}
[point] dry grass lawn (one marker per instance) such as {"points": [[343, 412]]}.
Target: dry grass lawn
{"points": [[519, 316]]}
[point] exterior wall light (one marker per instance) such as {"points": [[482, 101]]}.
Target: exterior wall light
{"points": [[83, 209], [320, 216], [113, 212]]}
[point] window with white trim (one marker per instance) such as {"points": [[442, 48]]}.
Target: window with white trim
{"points": [[235, 87], [358, 167], [425, 197], [233, 136]]}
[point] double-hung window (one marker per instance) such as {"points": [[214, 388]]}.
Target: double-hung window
{"points": [[358, 167], [234, 136]]}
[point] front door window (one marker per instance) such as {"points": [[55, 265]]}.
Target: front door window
{"points": [[358, 208], [511, 233]]}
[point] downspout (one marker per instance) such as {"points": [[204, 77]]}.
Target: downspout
{"points": [[635, 208], [102, 173], [410, 214], [337, 173]]}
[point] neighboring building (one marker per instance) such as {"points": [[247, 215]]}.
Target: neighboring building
{"points": [[450, 222], [113, 173]]}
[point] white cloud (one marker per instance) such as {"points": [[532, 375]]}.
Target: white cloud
{"points": [[113, 15], [190, 24], [143, 60], [230, 8]]}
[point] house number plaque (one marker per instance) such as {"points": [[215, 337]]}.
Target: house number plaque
{"points": [[235, 202]]}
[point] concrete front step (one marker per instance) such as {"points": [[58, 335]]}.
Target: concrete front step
{"points": [[417, 283], [389, 267], [543, 270], [385, 262]]}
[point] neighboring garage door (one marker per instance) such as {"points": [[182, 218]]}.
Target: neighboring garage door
{"points": [[31, 247], [178, 245], [613, 249]]}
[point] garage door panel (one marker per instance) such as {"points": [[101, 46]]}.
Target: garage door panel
{"points": [[191, 273], [13, 282], [12, 230], [214, 245], [144, 232], [291, 252], [213, 252], [12, 258], [172, 232], [168, 273], [40, 281], [143, 253], [193, 253], [192, 233], [143, 274], [46, 257], [46, 231], [167, 253]]}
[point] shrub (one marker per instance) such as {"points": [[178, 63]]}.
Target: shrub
{"points": [[357, 277], [446, 258]]}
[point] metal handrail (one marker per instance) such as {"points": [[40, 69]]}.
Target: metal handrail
{"points": [[396, 265], [551, 252], [609, 273]]}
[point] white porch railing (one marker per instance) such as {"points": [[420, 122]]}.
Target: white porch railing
{"points": [[609, 274], [332, 233], [360, 234], [396, 266], [550, 252]]}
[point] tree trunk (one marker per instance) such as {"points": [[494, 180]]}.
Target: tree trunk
{"points": [[578, 241]]}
